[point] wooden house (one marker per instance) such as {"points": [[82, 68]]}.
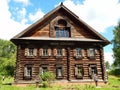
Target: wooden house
{"points": [[62, 43]]}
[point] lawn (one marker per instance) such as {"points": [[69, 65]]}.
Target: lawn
{"points": [[113, 84]]}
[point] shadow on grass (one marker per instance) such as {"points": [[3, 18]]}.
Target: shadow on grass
{"points": [[7, 84]]}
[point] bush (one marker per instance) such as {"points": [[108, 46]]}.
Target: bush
{"points": [[47, 77], [115, 72]]}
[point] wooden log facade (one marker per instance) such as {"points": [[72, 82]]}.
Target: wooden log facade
{"points": [[62, 43]]}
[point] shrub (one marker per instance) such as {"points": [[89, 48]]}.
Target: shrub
{"points": [[47, 77], [115, 72]]}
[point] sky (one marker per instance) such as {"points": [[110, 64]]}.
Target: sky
{"points": [[102, 15]]}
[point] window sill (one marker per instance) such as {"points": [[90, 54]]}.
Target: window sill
{"points": [[44, 56], [59, 56], [78, 57], [30, 56], [79, 77], [60, 77], [27, 77], [92, 58]]}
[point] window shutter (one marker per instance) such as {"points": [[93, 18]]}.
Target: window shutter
{"points": [[55, 51], [96, 51], [49, 52], [90, 72], [25, 71], [83, 52], [40, 70], [63, 52], [35, 52], [76, 71], [26, 51], [74, 52], [40, 52]]}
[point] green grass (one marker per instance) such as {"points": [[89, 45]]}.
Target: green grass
{"points": [[113, 84]]}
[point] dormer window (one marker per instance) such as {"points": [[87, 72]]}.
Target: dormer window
{"points": [[61, 29], [62, 33]]}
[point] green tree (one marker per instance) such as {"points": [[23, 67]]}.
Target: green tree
{"points": [[7, 57], [107, 64], [116, 44]]}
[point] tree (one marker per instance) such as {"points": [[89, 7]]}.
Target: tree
{"points": [[7, 57], [107, 64], [116, 44]]}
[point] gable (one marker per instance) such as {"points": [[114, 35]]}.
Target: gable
{"points": [[45, 27], [76, 31]]}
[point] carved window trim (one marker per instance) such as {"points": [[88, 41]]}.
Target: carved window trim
{"points": [[30, 52], [78, 53], [28, 72], [59, 52], [45, 52], [59, 71], [79, 71], [92, 70], [91, 53], [43, 68], [62, 29]]}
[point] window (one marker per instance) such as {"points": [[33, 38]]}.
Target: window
{"points": [[28, 72], [59, 72], [62, 33], [92, 70], [43, 69], [78, 53], [91, 52], [59, 52], [30, 52], [45, 52], [79, 71]]}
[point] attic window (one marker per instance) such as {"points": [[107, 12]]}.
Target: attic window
{"points": [[61, 29]]}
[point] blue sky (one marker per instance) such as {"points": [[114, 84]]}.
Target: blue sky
{"points": [[102, 15]]}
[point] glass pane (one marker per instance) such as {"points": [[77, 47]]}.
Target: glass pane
{"points": [[78, 51], [29, 71], [44, 69], [59, 52], [79, 71], [31, 51], [92, 53], [66, 33], [59, 72], [62, 33], [57, 33], [45, 52]]}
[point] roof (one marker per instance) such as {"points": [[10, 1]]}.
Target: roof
{"points": [[45, 17], [60, 39]]}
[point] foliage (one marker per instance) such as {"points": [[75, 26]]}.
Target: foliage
{"points": [[47, 77], [107, 64], [115, 72], [116, 44], [7, 57]]}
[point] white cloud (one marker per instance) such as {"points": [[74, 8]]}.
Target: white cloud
{"points": [[108, 56], [99, 14], [34, 17], [8, 26], [25, 2]]}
